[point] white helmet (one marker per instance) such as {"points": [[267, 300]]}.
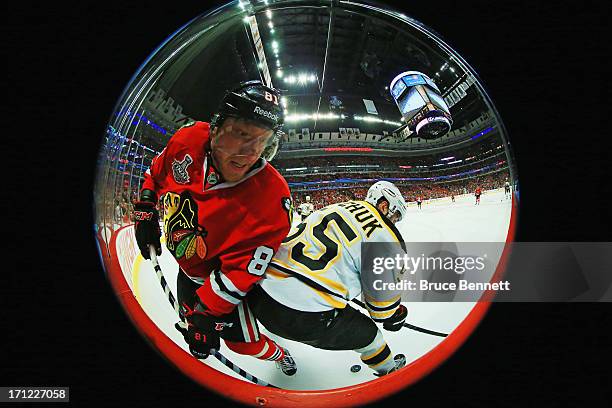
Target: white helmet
{"points": [[307, 198], [391, 193]]}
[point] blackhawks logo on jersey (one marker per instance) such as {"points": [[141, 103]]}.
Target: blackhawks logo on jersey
{"points": [[184, 236]]}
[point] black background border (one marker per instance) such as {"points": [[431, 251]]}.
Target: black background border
{"points": [[543, 65]]}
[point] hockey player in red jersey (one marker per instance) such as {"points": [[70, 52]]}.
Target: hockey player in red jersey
{"points": [[477, 194], [226, 211]]}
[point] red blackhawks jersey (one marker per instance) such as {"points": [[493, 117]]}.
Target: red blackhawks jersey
{"points": [[222, 234]]}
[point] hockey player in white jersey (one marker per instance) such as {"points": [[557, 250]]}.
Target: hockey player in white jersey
{"points": [[317, 271], [306, 208]]}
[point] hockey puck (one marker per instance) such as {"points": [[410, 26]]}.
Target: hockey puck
{"points": [[356, 368]]}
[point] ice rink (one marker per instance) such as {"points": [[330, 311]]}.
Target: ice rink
{"points": [[438, 221]]}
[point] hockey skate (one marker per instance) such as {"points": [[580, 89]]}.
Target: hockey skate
{"points": [[400, 361], [287, 364]]}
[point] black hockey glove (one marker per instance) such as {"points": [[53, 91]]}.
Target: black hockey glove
{"points": [[146, 218], [202, 332], [396, 321]]}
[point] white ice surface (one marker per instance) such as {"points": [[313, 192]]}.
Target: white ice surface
{"points": [[437, 221]]}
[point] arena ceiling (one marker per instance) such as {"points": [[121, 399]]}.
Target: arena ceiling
{"points": [[352, 53]]}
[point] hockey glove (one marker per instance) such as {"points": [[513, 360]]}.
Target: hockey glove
{"points": [[396, 321], [147, 231], [202, 332]]}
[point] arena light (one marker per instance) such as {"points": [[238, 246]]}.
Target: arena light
{"points": [[311, 116], [297, 168], [455, 162], [347, 149], [298, 117], [269, 13], [447, 158], [302, 78], [484, 132], [358, 165], [376, 120], [279, 73], [270, 24], [328, 115]]}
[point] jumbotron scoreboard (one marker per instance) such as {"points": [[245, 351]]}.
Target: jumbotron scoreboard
{"points": [[421, 105]]}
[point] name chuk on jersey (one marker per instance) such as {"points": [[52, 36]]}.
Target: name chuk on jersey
{"points": [[363, 215]]}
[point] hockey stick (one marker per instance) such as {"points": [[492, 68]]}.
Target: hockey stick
{"points": [[175, 306], [408, 325]]}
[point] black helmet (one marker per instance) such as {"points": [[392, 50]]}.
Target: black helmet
{"points": [[254, 101]]}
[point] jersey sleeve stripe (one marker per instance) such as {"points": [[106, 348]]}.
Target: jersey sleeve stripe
{"points": [[229, 284], [306, 280], [381, 316], [390, 306], [222, 292]]}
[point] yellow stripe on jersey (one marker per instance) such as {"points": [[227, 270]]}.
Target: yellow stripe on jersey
{"points": [[379, 217], [381, 363], [374, 354], [382, 303], [329, 299], [337, 287], [381, 315], [276, 273]]}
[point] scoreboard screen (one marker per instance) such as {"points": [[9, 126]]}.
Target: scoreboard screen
{"points": [[413, 79], [398, 88], [421, 104], [411, 104], [437, 100]]}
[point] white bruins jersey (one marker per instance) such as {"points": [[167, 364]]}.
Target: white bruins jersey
{"points": [[306, 209], [318, 265]]}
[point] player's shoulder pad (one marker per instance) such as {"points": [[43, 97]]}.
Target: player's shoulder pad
{"points": [[275, 188], [277, 183], [192, 133]]}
